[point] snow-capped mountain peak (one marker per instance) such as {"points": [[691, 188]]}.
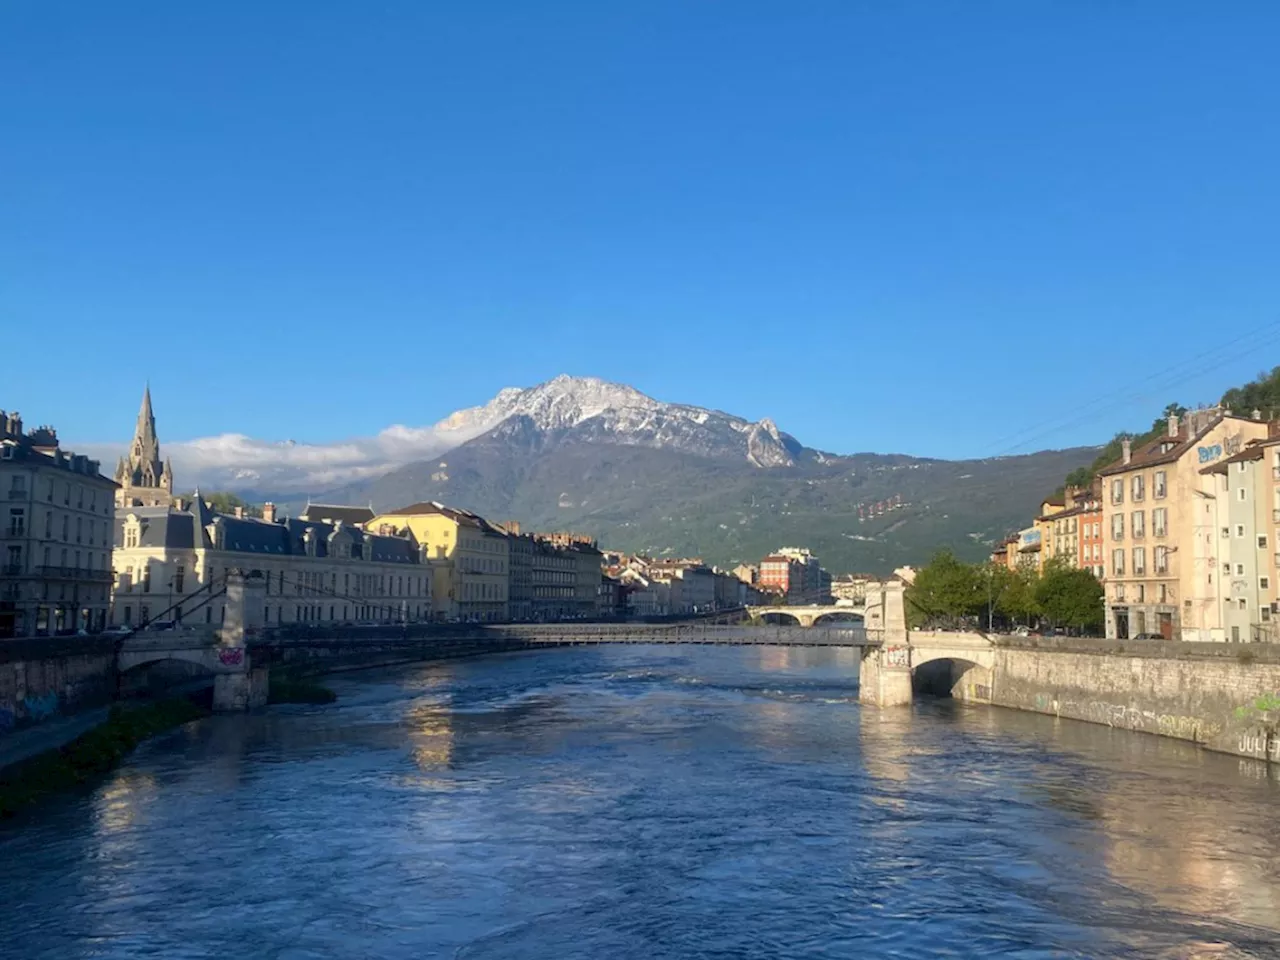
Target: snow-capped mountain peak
{"points": [[565, 409], [595, 410], [557, 404]]}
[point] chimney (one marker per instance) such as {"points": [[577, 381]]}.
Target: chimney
{"points": [[1173, 424], [269, 512], [1126, 450], [239, 513]]}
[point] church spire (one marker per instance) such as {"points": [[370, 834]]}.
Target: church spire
{"points": [[145, 479], [145, 432]]}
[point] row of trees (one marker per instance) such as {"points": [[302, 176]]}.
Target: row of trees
{"points": [[948, 592]]}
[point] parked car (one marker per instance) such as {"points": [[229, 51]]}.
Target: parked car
{"points": [[118, 632], [1148, 636]]}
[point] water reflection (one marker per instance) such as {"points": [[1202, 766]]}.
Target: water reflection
{"points": [[649, 802]]}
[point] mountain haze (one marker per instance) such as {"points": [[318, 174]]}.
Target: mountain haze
{"points": [[605, 459]]}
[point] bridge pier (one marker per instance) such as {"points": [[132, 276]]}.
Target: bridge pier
{"points": [[243, 687], [884, 677]]}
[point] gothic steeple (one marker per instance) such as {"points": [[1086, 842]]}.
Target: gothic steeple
{"points": [[145, 479]]}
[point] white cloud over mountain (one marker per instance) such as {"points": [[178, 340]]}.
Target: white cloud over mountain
{"points": [[240, 462]]}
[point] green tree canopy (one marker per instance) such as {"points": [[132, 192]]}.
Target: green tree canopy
{"points": [[1261, 393], [946, 590], [1018, 601], [1069, 597]]}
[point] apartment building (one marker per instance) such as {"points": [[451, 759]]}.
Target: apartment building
{"points": [[795, 574], [171, 562], [520, 551], [691, 584], [1058, 538], [1241, 492], [1161, 529], [469, 558], [1070, 528], [1089, 521], [1025, 554], [55, 535]]}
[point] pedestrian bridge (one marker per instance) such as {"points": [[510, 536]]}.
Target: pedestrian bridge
{"points": [[198, 647], [808, 616], [893, 660]]}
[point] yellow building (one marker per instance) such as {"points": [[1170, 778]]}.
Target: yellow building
{"points": [[1052, 543], [1164, 528], [470, 558]]}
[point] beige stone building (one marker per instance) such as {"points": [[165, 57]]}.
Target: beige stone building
{"points": [[469, 558], [1162, 529], [171, 564], [171, 557], [55, 535]]}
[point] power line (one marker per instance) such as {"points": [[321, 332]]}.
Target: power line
{"points": [[1160, 380]]}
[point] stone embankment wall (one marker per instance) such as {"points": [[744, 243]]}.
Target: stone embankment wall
{"points": [[44, 678], [1225, 696]]}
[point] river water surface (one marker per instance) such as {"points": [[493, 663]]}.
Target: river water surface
{"points": [[648, 802]]}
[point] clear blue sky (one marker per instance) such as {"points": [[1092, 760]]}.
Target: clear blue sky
{"points": [[922, 227]]}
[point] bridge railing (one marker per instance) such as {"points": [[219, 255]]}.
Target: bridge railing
{"points": [[688, 632]]}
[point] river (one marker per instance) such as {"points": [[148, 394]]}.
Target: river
{"points": [[648, 802]]}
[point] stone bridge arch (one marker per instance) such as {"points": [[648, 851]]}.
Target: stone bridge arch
{"points": [[782, 618], [805, 616], [213, 659], [959, 665], [854, 617], [961, 673]]}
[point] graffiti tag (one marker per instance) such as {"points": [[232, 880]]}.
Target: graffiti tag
{"points": [[232, 657]]}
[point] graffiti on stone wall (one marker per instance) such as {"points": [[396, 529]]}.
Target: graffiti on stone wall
{"points": [[897, 656], [1131, 718], [231, 657], [41, 707], [1262, 744]]}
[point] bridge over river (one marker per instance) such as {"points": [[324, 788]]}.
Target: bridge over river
{"points": [[241, 651]]}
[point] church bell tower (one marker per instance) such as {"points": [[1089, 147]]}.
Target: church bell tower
{"points": [[145, 480]]}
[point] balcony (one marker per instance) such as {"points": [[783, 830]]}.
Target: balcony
{"points": [[74, 573]]}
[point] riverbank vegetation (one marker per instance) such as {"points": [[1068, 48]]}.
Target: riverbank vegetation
{"points": [[91, 754], [951, 594]]}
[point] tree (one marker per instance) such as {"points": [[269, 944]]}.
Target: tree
{"points": [[1018, 601], [1262, 393], [1070, 597], [945, 591]]}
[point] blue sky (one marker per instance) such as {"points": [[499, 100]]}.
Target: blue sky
{"points": [[918, 227]]}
